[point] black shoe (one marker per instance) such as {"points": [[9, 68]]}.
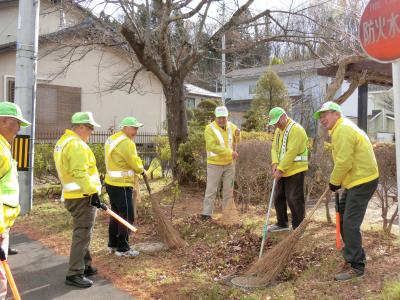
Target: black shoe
{"points": [[78, 281], [12, 251], [205, 217], [89, 271]]}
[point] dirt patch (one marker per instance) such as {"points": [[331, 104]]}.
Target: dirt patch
{"points": [[216, 252]]}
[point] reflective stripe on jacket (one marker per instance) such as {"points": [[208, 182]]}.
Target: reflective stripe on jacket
{"points": [[219, 143], [289, 149], [9, 188], [122, 161], [353, 155], [76, 166]]}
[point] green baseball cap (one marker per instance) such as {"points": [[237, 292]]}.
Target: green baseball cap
{"points": [[221, 111], [12, 110], [327, 106], [275, 114], [84, 117], [131, 122]]}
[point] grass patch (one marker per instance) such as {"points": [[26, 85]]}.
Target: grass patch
{"points": [[391, 291]]}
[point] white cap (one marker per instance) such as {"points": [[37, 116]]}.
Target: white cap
{"points": [[221, 111]]}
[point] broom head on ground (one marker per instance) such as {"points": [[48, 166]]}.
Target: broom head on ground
{"points": [[272, 263], [166, 231]]}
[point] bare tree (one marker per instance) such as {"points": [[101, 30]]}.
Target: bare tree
{"points": [[169, 37]]}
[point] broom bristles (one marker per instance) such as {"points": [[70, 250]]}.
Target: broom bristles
{"points": [[274, 261], [230, 214], [167, 232]]}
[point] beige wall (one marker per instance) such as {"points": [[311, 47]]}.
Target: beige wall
{"points": [[95, 74], [49, 19]]}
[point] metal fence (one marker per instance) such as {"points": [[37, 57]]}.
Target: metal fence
{"points": [[146, 142], [97, 137]]}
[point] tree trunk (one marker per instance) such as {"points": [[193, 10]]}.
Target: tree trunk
{"points": [[176, 120]]}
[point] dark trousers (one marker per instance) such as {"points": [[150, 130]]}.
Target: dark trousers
{"points": [[121, 203], [83, 215], [352, 207], [290, 191]]}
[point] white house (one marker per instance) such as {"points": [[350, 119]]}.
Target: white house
{"points": [[305, 87], [85, 85]]}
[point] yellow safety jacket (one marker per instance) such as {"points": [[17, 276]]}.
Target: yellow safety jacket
{"points": [[353, 155], [9, 188], [219, 143], [289, 149], [76, 167], [122, 161]]}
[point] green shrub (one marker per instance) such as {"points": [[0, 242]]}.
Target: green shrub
{"points": [[192, 157], [44, 162], [98, 151]]}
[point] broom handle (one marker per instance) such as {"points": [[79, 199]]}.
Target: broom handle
{"points": [[338, 242], [265, 232], [146, 181], [11, 281], [118, 218]]}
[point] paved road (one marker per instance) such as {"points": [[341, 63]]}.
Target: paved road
{"points": [[39, 274]]}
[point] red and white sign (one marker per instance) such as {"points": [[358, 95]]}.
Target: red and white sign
{"points": [[379, 30]]}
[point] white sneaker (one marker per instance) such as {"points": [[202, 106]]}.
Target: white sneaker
{"points": [[130, 253], [276, 228], [111, 250]]}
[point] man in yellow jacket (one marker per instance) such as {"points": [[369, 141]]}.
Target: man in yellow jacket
{"points": [[356, 171], [221, 137], [81, 187], [10, 122], [123, 164], [289, 155]]}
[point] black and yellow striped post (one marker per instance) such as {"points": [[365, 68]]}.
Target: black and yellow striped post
{"points": [[20, 151]]}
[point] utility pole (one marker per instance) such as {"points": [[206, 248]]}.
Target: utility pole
{"points": [[223, 69], [25, 88]]}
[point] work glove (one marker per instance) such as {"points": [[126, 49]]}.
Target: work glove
{"points": [[2, 254], [333, 187], [95, 201]]}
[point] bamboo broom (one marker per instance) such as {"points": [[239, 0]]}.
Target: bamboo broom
{"points": [[265, 270], [167, 232]]}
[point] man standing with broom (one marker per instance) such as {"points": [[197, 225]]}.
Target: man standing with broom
{"points": [[220, 137], [122, 164], [11, 120], [81, 186], [355, 170], [289, 154]]}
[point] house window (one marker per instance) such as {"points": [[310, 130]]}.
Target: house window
{"points": [[55, 105], [190, 103], [252, 88], [10, 89]]}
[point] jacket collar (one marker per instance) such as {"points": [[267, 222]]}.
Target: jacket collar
{"points": [[338, 122], [4, 141]]}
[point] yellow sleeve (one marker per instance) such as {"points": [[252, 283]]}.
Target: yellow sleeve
{"points": [[127, 150], [297, 143], [274, 148], [4, 167], [78, 158], [343, 150], [2, 224], [212, 143]]}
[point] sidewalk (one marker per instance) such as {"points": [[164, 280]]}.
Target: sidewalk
{"points": [[39, 274]]}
